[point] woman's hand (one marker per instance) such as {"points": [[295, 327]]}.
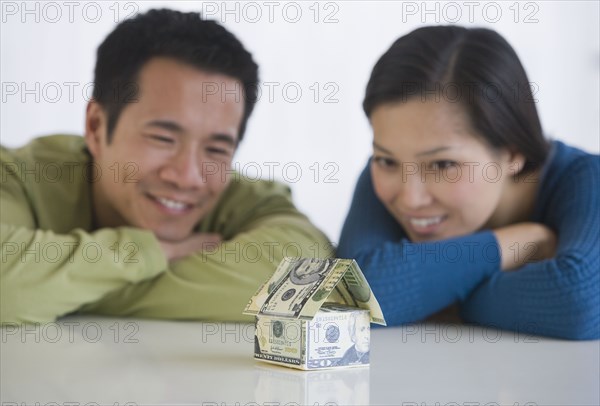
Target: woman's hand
{"points": [[522, 243]]}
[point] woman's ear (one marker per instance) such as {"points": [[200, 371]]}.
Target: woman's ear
{"points": [[95, 128], [516, 162]]}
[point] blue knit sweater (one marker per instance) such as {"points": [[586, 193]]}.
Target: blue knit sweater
{"points": [[558, 297]]}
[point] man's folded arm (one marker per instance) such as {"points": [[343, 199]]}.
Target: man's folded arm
{"points": [[45, 275], [217, 285]]}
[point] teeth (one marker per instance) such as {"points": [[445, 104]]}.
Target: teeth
{"points": [[171, 204], [426, 222]]}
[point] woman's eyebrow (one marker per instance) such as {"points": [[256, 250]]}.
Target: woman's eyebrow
{"points": [[382, 149], [434, 150], [428, 152]]}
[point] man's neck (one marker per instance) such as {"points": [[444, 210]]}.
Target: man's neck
{"points": [[103, 215]]}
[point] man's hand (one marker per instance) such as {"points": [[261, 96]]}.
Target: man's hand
{"points": [[195, 243], [525, 242]]}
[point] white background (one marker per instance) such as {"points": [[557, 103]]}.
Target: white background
{"points": [[48, 54]]}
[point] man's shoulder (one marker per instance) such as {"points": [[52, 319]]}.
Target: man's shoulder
{"points": [[242, 186], [50, 149], [247, 200], [249, 196], [49, 176]]}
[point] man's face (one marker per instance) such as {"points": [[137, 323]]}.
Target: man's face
{"points": [[171, 151]]}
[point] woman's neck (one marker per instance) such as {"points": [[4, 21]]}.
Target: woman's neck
{"points": [[517, 202]]}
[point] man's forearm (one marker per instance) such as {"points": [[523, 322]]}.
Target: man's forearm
{"points": [[217, 285], [46, 275]]}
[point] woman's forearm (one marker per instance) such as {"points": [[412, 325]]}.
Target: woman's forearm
{"points": [[522, 243]]}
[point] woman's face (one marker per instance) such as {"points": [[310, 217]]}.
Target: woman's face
{"points": [[431, 171]]}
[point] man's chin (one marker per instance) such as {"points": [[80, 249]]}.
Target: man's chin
{"points": [[168, 231], [172, 235]]}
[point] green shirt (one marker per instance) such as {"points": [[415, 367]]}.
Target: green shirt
{"points": [[54, 262]]}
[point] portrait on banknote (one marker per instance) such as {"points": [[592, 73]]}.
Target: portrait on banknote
{"points": [[360, 333], [309, 270]]}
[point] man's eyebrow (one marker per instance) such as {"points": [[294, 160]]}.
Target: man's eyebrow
{"points": [[167, 125], [226, 138]]}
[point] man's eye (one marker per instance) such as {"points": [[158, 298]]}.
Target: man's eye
{"points": [[162, 139], [443, 164], [218, 151], [384, 162]]}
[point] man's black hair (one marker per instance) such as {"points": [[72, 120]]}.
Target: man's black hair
{"points": [[185, 37]]}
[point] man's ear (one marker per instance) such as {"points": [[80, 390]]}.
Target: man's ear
{"points": [[95, 128]]}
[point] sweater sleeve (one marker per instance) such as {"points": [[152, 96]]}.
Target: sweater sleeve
{"points": [[558, 297], [217, 285], [412, 280], [45, 275]]}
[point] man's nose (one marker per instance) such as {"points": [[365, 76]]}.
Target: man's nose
{"points": [[186, 170]]}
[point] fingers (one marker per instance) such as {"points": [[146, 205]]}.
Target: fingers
{"points": [[195, 243]]}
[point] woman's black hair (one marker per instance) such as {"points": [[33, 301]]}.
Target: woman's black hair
{"points": [[475, 67]]}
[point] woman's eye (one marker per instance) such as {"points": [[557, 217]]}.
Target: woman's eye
{"points": [[441, 165], [385, 162]]}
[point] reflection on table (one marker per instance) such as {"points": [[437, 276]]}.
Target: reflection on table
{"points": [[109, 361], [334, 386]]}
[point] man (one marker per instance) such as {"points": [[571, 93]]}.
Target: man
{"points": [[144, 216]]}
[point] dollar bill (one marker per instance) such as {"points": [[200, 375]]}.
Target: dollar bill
{"points": [[280, 340], [300, 286], [339, 335], [256, 301], [355, 291]]}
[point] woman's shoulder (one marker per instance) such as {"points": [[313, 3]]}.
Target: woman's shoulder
{"points": [[569, 179], [567, 163], [563, 155]]}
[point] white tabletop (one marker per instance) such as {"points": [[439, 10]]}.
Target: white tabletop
{"points": [[144, 362]]}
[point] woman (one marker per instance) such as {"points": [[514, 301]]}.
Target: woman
{"points": [[464, 201]]}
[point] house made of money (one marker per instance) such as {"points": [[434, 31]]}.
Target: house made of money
{"points": [[315, 313]]}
